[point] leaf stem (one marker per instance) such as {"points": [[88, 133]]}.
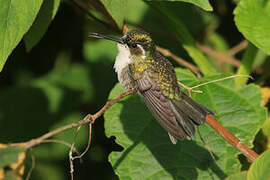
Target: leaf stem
{"points": [[229, 137]]}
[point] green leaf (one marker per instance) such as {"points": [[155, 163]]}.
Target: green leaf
{"points": [[252, 19], [185, 38], [148, 152], [238, 176], [46, 14], [136, 11], [204, 4], [247, 64], [117, 9], [266, 130], [94, 51], [16, 17], [260, 168], [9, 155]]}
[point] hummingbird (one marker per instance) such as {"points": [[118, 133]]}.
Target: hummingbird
{"points": [[141, 67]]}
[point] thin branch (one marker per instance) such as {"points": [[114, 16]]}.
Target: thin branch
{"points": [[239, 47], [88, 145], [221, 79], [181, 61], [70, 152], [60, 142], [109, 104], [229, 137], [125, 29], [32, 166], [220, 56], [71, 158], [89, 118], [191, 89]]}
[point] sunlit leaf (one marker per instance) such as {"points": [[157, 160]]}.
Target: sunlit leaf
{"points": [[252, 19], [238, 176], [260, 168], [16, 17], [204, 4], [9, 155], [117, 9], [45, 16]]}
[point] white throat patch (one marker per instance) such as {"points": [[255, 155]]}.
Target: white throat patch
{"points": [[122, 59]]}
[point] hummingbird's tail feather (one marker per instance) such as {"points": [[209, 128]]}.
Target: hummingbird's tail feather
{"points": [[192, 109], [182, 118], [189, 113]]}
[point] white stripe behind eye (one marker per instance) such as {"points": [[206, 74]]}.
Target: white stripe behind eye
{"points": [[143, 51]]}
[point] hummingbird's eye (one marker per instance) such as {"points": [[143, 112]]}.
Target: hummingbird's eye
{"points": [[134, 45]]}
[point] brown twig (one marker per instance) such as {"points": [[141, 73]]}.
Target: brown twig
{"points": [[70, 152], [32, 167], [125, 29], [181, 61], [88, 144], [79, 156], [220, 56], [229, 137], [89, 118], [221, 79], [239, 47], [191, 89], [60, 142]]}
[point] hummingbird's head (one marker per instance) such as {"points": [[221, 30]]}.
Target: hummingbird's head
{"points": [[139, 42], [136, 42]]}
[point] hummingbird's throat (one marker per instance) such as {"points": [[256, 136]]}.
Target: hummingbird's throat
{"points": [[123, 59]]}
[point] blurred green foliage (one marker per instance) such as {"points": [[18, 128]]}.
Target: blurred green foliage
{"points": [[54, 75]]}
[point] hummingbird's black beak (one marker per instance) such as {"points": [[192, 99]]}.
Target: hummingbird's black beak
{"points": [[100, 36]]}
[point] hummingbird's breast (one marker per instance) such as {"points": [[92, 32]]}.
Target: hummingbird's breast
{"points": [[121, 66]]}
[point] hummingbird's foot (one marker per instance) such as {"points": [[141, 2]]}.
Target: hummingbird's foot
{"points": [[190, 89]]}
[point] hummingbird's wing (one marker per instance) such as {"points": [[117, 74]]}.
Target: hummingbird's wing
{"points": [[161, 109], [174, 110]]}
